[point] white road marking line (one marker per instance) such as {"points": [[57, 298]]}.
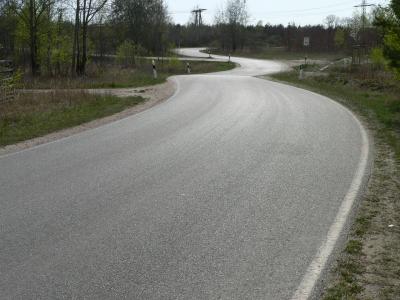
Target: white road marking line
{"points": [[313, 273]]}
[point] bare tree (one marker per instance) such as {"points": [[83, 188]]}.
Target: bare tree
{"points": [[85, 11], [236, 17], [332, 21]]}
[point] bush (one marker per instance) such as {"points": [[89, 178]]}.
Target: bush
{"points": [[378, 59], [127, 52], [174, 64]]}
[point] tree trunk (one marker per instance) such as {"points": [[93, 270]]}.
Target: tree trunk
{"points": [[76, 37], [49, 43], [33, 38], [81, 64], [82, 70]]}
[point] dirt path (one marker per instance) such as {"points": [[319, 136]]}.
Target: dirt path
{"points": [[154, 95]]}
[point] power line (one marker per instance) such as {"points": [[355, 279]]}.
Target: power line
{"points": [[303, 14], [310, 9], [283, 11]]}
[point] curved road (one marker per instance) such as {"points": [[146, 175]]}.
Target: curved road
{"points": [[225, 191]]}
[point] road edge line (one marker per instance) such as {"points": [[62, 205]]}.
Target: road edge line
{"points": [[314, 271]]}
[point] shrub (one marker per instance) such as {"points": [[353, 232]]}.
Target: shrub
{"points": [[127, 52]]}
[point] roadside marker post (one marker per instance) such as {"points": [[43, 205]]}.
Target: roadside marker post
{"points": [[188, 68], [301, 73], [306, 44], [154, 69]]}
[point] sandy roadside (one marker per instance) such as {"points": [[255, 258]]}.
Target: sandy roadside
{"points": [[153, 95]]}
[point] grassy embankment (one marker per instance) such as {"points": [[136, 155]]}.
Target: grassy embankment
{"points": [[369, 267], [114, 76], [32, 115]]}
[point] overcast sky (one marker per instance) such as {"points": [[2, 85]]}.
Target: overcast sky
{"points": [[275, 12]]}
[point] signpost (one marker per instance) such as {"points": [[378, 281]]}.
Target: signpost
{"points": [[306, 41], [306, 44]]}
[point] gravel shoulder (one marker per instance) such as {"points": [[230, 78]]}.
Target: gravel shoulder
{"points": [[153, 95]]}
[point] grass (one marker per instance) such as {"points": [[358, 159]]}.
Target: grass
{"points": [[114, 76], [33, 115], [281, 53], [369, 267]]}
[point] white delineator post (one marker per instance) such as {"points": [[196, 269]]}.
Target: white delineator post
{"points": [[301, 73], [154, 69]]}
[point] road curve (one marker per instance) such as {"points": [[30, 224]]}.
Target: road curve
{"points": [[225, 191]]}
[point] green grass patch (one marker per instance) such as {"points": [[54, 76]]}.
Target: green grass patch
{"points": [[34, 115], [354, 247]]}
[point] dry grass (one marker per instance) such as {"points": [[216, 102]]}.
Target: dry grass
{"points": [[114, 76], [35, 114]]}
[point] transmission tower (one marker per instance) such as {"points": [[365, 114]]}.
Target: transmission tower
{"points": [[198, 20], [364, 6], [361, 49]]}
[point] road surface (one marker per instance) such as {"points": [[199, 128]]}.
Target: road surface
{"points": [[225, 191]]}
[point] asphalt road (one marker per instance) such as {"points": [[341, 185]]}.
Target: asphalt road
{"points": [[224, 191]]}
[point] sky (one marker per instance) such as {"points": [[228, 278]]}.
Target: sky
{"points": [[274, 12]]}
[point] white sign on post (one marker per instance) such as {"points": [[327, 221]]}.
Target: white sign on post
{"points": [[306, 42]]}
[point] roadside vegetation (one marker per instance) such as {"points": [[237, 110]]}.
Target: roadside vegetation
{"points": [[114, 75], [33, 115]]}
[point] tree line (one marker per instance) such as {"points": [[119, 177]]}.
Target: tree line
{"points": [[58, 36]]}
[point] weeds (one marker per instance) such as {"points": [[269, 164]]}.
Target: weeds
{"points": [[114, 76], [33, 115]]}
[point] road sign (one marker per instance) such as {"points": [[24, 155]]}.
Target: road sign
{"points": [[306, 41]]}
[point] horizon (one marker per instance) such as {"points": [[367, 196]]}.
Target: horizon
{"points": [[308, 12]]}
